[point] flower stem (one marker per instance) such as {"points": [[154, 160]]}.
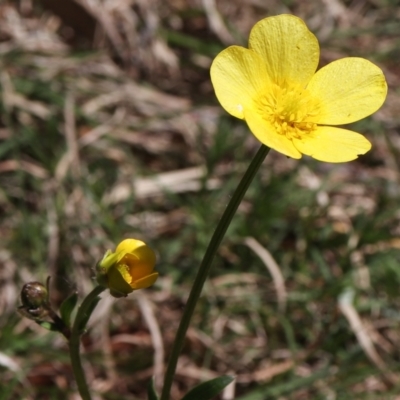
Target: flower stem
{"points": [[74, 341], [205, 266]]}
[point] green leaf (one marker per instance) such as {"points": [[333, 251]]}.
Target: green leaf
{"points": [[67, 307], [85, 318], [207, 390], [151, 391]]}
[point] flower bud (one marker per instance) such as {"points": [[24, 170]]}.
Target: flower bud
{"points": [[35, 300], [34, 295], [127, 269]]}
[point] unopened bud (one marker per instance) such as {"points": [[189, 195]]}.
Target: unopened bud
{"points": [[34, 295], [35, 302]]}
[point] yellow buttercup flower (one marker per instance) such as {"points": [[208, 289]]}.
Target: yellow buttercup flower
{"points": [[129, 268], [288, 106]]}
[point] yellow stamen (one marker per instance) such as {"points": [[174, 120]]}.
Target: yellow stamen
{"points": [[290, 110]]}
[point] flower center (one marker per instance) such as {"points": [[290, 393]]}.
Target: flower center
{"points": [[290, 109]]}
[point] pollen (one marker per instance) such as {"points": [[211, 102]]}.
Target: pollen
{"points": [[290, 110]]}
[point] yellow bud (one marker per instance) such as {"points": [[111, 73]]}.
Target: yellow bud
{"points": [[127, 269]]}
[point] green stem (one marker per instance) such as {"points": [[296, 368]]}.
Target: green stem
{"points": [[74, 342], [59, 323], [205, 266]]}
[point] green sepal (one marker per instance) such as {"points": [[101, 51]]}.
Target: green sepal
{"points": [[109, 259], [208, 390], [85, 318], [119, 287], [66, 308], [50, 326], [151, 390]]}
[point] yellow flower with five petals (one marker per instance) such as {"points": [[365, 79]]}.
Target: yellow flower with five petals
{"points": [[127, 269], [273, 85]]}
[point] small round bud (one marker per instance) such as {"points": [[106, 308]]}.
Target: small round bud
{"points": [[34, 295]]}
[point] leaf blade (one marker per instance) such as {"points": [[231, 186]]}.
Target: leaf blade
{"points": [[207, 390]]}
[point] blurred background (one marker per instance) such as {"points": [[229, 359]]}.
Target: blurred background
{"points": [[109, 128]]}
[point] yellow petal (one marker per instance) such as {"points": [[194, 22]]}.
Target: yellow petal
{"points": [[129, 245], [333, 144], [137, 256], [237, 75], [289, 50], [146, 255], [348, 89], [145, 282], [267, 135], [118, 286], [137, 268]]}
